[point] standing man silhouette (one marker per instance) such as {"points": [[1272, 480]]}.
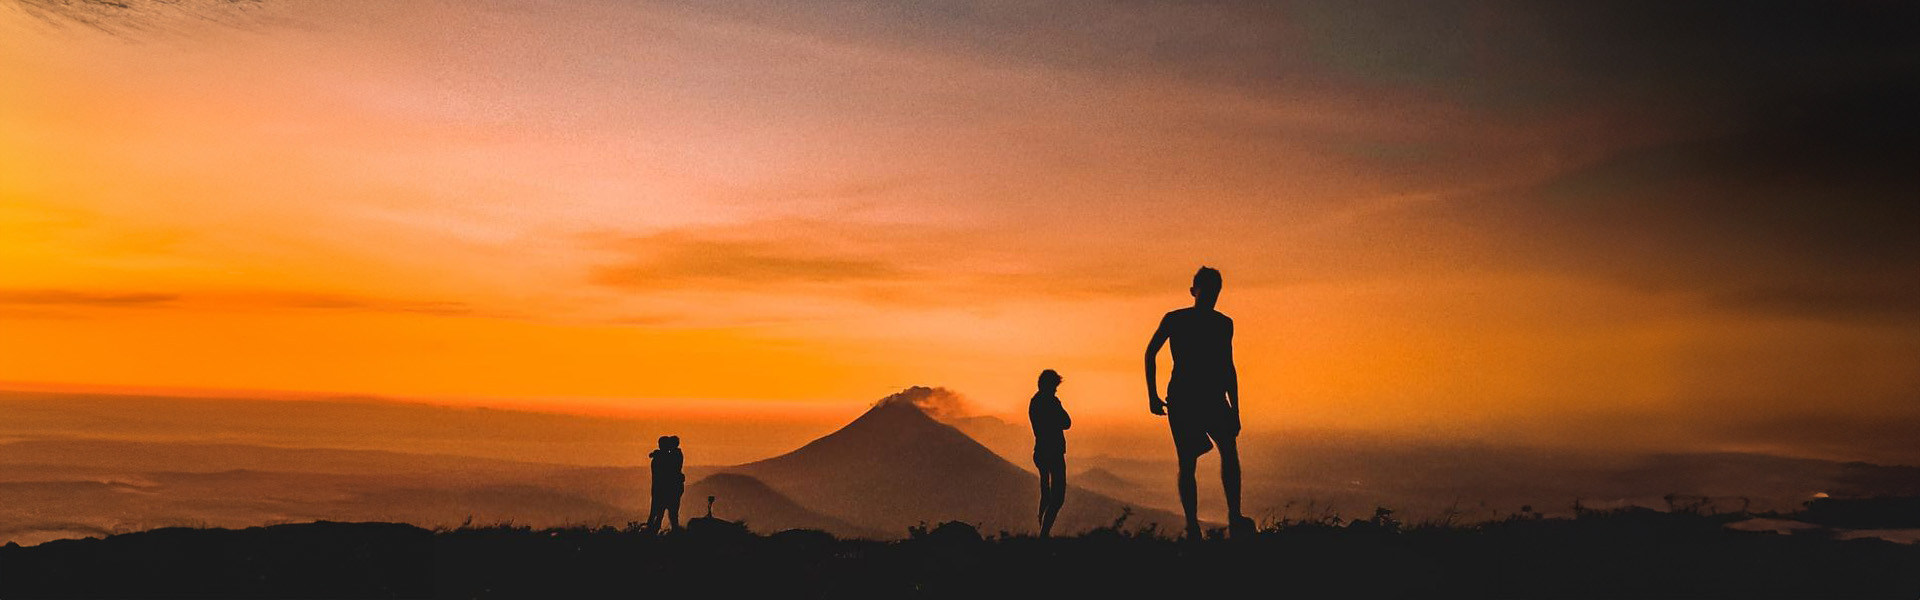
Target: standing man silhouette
{"points": [[1050, 424], [1202, 405]]}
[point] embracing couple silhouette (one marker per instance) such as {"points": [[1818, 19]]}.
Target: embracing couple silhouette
{"points": [[1202, 406]]}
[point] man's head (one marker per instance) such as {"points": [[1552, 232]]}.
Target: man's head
{"points": [[1049, 380], [1206, 287], [669, 442]]}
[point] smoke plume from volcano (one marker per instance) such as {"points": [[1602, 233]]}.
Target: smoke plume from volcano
{"points": [[940, 403]]}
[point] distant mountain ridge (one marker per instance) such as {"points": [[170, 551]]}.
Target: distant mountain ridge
{"points": [[912, 458]]}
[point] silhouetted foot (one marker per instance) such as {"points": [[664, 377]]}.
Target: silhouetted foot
{"points": [[1239, 527], [1193, 532]]}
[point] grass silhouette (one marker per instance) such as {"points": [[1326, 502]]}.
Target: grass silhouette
{"points": [[1598, 554]]}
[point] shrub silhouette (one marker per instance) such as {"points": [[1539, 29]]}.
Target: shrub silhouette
{"points": [[950, 532], [1631, 552]]}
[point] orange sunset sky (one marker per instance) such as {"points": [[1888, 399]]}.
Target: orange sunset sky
{"points": [[1477, 219]]}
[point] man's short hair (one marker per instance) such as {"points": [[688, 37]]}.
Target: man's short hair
{"points": [[1207, 278], [1048, 375]]}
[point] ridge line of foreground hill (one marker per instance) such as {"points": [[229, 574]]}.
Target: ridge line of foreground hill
{"points": [[1627, 553]]}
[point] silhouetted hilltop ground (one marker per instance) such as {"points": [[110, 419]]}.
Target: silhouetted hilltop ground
{"points": [[1864, 513], [312, 560], [1636, 553]]}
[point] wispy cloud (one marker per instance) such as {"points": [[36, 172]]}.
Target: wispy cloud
{"points": [[140, 17], [83, 298], [673, 261], [340, 302], [1891, 301], [883, 264], [50, 302]]}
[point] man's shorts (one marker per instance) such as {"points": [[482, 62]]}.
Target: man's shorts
{"points": [[1198, 423]]}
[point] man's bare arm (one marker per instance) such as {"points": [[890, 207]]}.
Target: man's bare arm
{"points": [[1154, 403]]}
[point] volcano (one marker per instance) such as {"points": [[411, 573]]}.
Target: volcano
{"points": [[896, 466]]}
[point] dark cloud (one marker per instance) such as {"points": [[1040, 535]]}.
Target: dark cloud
{"points": [[1784, 182], [1767, 164], [1804, 221], [1493, 50], [1894, 300]]}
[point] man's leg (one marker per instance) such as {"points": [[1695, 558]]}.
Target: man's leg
{"points": [[673, 510], [1230, 474], [1039, 464], [1056, 495], [1189, 493], [1046, 502], [1060, 489]]}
